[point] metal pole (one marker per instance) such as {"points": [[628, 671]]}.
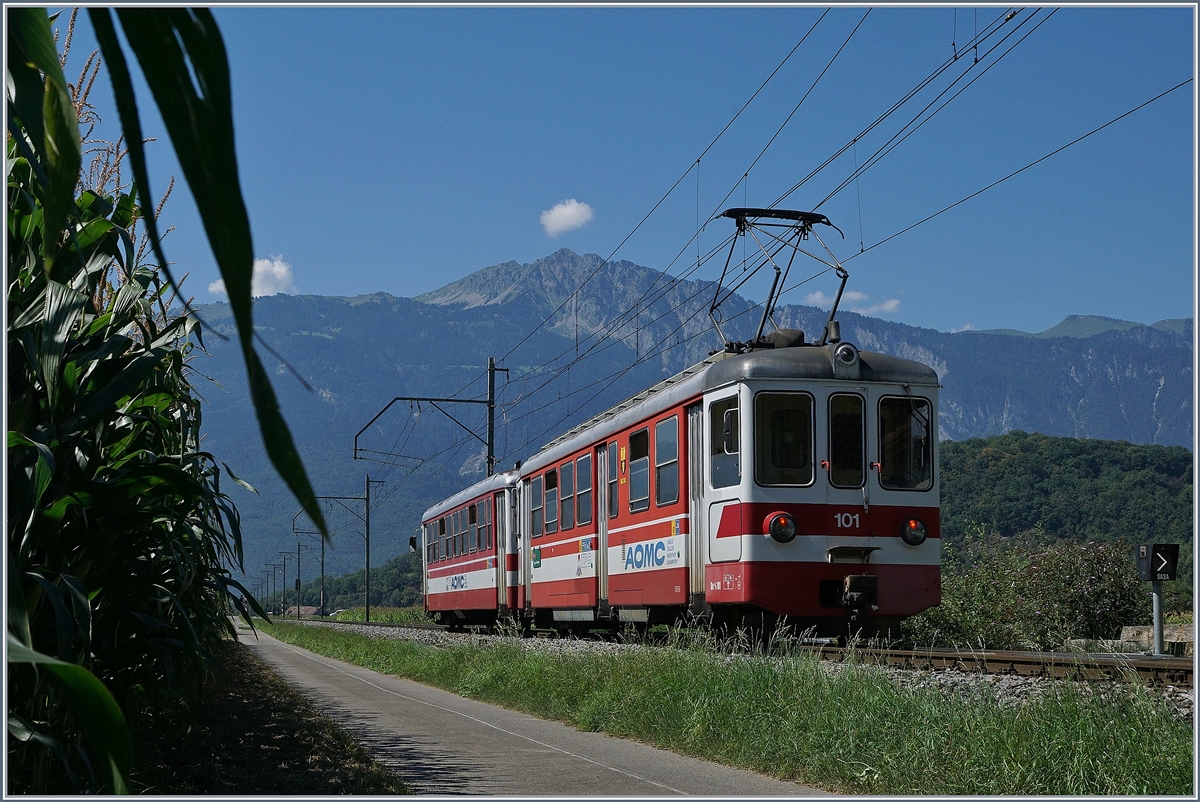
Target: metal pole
{"points": [[367, 522], [297, 580], [324, 612], [491, 406], [274, 584], [286, 555], [1156, 588]]}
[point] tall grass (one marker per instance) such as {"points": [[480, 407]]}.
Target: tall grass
{"points": [[847, 728]]}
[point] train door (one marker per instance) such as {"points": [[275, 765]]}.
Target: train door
{"points": [[426, 539], [498, 533], [723, 451], [512, 556], [845, 446], [846, 469], [602, 509], [525, 595], [698, 522]]}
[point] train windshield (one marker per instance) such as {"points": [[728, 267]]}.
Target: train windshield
{"points": [[905, 444], [783, 426]]}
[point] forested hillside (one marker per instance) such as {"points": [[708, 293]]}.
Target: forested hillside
{"points": [[1067, 488]]}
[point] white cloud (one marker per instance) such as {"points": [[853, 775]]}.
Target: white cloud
{"points": [[890, 305], [821, 299], [966, 327], [271, 276], [566, 216]]}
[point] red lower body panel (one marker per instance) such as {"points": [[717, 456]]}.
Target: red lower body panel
{"points": [[795, 588], [564, 593], [652, 588], [481, 599]]}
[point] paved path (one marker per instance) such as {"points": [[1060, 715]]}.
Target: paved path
{"points": [[441, 743]]}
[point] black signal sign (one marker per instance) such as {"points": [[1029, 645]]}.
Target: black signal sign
{"points": [[1158, 561]]}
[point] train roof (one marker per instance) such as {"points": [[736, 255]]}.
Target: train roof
{"points": [[813, 362], [496, 481], [720, 369]]}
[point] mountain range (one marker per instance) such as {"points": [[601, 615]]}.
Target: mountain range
{"points": [[1086, 377]]}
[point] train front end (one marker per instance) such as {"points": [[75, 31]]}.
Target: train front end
{"points": [[819, 498]]}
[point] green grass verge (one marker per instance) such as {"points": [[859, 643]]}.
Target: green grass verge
{"points": [[851, 730]]}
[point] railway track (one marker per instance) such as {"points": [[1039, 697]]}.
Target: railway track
{"points": [[1154, 669]]}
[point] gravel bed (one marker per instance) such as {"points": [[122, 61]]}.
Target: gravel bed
{"points": [[1011, 690]]}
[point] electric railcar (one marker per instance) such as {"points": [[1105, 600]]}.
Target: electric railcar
{"points": [[795, 479]]}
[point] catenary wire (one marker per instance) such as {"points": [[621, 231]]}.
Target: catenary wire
{"points": [[661, 200]]}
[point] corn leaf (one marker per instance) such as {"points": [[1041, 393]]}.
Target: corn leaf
{"points": [[31, 49], [97, 712], [172, 45], [62, 309]]}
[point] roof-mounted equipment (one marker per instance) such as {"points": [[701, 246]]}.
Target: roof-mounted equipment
{"points": [[782, 229]]}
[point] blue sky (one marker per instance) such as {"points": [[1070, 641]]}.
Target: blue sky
{"points": [[399, 149]]}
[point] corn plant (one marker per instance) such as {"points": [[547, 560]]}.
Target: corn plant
{"points": [[120, 538]]}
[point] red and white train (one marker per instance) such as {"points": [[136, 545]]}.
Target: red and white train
{"points": [[798, 480]]}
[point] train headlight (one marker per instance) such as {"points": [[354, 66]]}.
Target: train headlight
{"points": [[846, 355], [782, 527], [912, 531]]}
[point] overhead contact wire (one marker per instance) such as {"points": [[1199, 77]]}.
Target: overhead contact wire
{"points": [[666, 195], [1023, 169]]}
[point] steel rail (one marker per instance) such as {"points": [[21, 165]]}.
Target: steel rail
{"points": [[1155, 669]]}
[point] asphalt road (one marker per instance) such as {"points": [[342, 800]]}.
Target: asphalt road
{"points": [[441, 743]]}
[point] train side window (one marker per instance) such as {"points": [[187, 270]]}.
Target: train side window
{"points": [[724, 460], [514, 522], [783, 425], [441, 539], [551, 501], [905, 443], [639, 470], [583, 489], [485, 524], [614, 474], [535, 492], [666, 462], [472, 528], [847, 440], [459, 526], [566, 494]]}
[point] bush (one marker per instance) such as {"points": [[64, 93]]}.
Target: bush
{"points": [[1004, 596]]}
